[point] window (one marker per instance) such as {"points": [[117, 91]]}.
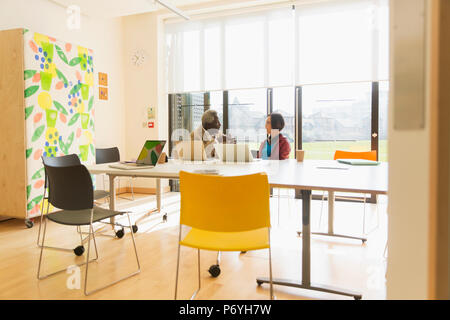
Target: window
{"points": [[335, 43], [244, 54], [249, 65], [336, 117], [216, 103], [186, 112], [247, 116], [383, 121], [284, 103]]}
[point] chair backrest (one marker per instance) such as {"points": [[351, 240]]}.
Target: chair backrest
{"points": [[107, 155], [70, 188], [368, 155], [64, 161], [224, 204]]}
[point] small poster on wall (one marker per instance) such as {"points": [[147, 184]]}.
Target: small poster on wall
{"points": [[103, 94], [102, 79], [103, 86]]}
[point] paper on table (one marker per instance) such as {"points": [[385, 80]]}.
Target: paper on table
{"points": [[207, 171], [335, 168]]}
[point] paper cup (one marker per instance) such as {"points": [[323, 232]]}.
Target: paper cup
{"points": [[300, 155]]}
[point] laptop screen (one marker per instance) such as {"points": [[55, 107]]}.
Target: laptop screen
{"points": [[151, 151]]}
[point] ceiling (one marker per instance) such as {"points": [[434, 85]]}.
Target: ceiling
{"points": [[117, 8]]}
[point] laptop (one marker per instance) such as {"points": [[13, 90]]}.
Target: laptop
{"points": [[148, 157], [239, 152]]}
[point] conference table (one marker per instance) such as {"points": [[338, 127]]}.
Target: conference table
{"points": [[306, 176]]}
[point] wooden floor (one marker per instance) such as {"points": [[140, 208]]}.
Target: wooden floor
{"points": [[337, 262]]}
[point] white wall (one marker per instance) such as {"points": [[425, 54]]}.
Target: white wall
{"points": [[409, 184], [105, 37], [144, 85]]}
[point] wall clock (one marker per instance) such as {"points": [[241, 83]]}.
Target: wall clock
{"points": [[138, 58]]}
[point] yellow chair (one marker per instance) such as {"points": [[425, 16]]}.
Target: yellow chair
{"points": [[224, 214]]}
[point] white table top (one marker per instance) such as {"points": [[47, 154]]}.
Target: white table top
{"points": [[310, 174]]}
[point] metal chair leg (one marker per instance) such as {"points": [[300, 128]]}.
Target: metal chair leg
{"points": [[86, 292], [279, 198], [199, 280], [178, 263], [270, 270], [88, 251], [321, 209], [131, 186], [364, 215], [218, 258], [42, 248], [134, 243], [39, 232], [62, 270], [40, 224]]}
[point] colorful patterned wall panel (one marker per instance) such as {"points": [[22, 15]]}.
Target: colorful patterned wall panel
{"points": [[59, 107]]}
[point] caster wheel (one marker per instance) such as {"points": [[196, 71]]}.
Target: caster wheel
{"points": [[243, 252], [259, 283], [135, 228], [165, 217], [357, 298], [29, 223], [363, 241], [79, 250], [120, 233], [214, 270]]}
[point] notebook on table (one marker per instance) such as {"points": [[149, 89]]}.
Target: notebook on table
{"points": [[359, 162], [148, 157]]}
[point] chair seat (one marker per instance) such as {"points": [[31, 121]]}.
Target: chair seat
{"points": [[227, 241], [82, 217], [100, 194]]}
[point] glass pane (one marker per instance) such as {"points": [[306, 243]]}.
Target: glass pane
{"points": [[216, 103], [186, 110], [244, 53], [281, 49], [383, 40], [191, 60], [335, 43], [284, 103], [212, 59], [383, 120], [336, 117], [247, 112]]}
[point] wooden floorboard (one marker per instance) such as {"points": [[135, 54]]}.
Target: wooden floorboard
{"points": [[337, 262]]}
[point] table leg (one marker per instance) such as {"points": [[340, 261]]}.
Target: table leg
{"points": [[159, 197], [330, 212], [158, 204], [158, 194], [306, 259], [330, 233], [112, 197]]}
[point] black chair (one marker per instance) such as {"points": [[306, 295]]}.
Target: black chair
{"points": [[110, 155], [65, 161], [71, 190], [70, 160]]}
